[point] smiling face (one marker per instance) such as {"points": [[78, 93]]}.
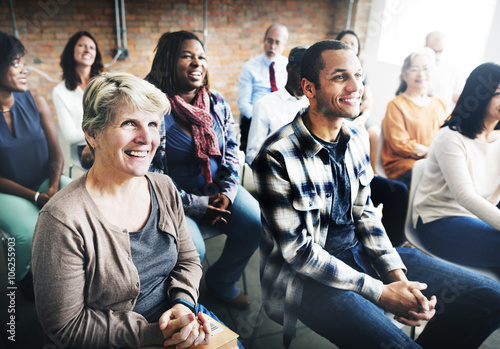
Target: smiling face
{"points": [[191, 66], [126, 146], [419, 73], [85, 51], [340, 85], [15, 80]]}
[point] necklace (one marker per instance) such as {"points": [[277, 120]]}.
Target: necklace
{"points": [[6, 111]]}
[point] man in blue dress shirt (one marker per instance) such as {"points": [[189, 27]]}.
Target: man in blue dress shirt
{"points": [[262, 75]]}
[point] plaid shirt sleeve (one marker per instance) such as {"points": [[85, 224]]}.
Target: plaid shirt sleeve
{"points": [[369, 228], [371, 233], [228, 175]]}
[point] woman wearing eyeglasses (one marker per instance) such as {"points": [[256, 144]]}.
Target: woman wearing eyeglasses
{"points": [[412, 118]]}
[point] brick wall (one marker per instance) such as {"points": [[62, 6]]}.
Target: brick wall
{"points": [[235, 31]]}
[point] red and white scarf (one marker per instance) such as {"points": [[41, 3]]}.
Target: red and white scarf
{"points": [[197, 115]]}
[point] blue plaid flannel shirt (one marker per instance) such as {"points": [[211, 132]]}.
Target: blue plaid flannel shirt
{"points": [[293, 178]]}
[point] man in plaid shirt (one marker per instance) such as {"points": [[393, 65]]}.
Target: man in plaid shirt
{"points": [[325, 256]]}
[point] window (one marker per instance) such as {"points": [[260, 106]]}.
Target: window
{"points": [[466, 25]]}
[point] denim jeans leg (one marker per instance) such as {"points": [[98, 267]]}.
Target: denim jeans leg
{"points": [[405, 178], [195, 233], [463, 240], [349, 320], [468, 304], [243, 236], [394, 196]]}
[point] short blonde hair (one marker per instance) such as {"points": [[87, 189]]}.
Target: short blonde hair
{"points": [[108, 91]]}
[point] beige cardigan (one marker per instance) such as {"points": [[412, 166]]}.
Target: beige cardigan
{"points": [[86, 284]]}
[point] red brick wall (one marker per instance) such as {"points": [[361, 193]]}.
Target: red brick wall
{"points": [[235, 31]]}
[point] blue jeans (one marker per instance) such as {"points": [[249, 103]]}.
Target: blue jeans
{"points": [[18, 218], [243, 236], [405, 178], [195, 233], [394, 196], [467, 311], [463, 240]]}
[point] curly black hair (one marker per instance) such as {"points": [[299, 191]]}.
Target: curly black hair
{"points": [[12, 49]]}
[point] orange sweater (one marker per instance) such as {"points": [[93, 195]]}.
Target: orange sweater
{"points": [[405, 124]]}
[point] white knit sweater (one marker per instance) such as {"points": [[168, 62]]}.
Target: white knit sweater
{"points": [[461, 178]]}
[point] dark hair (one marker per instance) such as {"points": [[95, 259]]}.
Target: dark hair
{"points": [[163, 69], [468, 115], [349, 31], [312, 63], [407, 63], [68, 63], [12, 49]]}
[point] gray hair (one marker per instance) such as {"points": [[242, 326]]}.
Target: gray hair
{"points": [[108, 91], [425, 51]]}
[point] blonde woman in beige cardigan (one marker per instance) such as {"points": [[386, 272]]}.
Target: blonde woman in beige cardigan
{"points": [[113, 262]]}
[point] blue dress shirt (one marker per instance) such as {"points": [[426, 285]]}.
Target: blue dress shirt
{"points": [[255, 82]]}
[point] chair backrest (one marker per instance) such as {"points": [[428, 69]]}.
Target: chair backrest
{"points": [[73, 148], [75, 160], [411, 233], [246, 175]]}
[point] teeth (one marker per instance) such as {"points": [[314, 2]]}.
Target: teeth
{"points": [[350, 99], [139, 154]]}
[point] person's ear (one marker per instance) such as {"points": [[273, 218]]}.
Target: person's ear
{"points": [[289, 68], [308, 88], [90, 137]]}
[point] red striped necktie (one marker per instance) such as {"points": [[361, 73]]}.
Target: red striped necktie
{"points": [[272, 77]]}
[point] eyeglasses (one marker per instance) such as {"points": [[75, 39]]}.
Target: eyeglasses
{"points": [[416, 70], [271, 42]]}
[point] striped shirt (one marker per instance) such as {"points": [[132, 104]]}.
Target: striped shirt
{"points": [[294, 182]]}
